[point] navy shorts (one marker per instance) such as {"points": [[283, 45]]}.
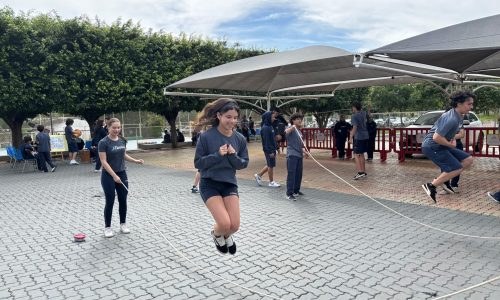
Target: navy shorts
{"points": [[210, 188], [72, 147], [360, 146], [270, 161], [446, 158]]}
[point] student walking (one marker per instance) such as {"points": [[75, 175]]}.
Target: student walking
{"points": [[70, 139], [112, 153], [294, 157], [359, 139], [43, 142], [440, 145], [221, 151], [269, 147]]}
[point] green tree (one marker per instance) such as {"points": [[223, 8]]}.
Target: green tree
{"points": [[28, 85]]}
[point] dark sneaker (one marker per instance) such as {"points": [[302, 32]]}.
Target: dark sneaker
{"points": [[430, 190], [359, 175], [231, 245], [447, 187], [220, 243], [494, 197], [291, 197], [299, 193], [194, 189]]}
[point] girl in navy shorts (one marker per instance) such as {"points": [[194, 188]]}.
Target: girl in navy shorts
{"points": [[221, 151]]}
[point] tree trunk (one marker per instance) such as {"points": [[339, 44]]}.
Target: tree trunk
{"points": [[171, 116], [91, 118], [322, 119], [15, 124]]}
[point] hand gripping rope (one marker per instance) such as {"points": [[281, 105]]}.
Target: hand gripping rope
{"points": [[410, 219]]}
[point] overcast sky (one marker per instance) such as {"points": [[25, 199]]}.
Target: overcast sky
{"points": [[352, 25]]}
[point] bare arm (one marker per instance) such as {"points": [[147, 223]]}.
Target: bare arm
{"points": [[131, 159], [443, 141]]}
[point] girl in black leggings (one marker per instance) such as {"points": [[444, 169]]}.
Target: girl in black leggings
{"points": [[112, 154]]}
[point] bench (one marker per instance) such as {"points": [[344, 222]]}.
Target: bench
{"points": [[162, 146]]}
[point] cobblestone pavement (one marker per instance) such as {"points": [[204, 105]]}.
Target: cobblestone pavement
{"points": [[330, 244]]}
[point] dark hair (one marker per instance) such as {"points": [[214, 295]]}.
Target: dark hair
{"points": [[295, 116], [460, 97], [40, 127], [357, 105], [27, 139], [208, 116], [276, 109], [69, 122]]}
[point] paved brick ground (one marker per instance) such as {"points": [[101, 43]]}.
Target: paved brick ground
{"points": [[331, 244]]}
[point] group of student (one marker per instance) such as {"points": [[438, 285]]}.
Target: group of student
{"points": [[167, 137], [341, 131], [42, 152]]}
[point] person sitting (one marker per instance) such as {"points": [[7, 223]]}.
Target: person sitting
{"points": [[27, 150], [167, 139], [180, 136]]}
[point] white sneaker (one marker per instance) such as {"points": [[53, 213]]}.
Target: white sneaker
{"points": [[258, 179], [274, 184], [108, 232], [73, 162], [97, 171], [124, 228]]}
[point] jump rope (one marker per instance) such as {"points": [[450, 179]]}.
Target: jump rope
{"points": [[198, 267]]}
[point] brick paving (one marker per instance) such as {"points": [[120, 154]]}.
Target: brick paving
{"points": [[330, 244]]}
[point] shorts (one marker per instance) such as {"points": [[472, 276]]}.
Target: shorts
{"points": [[72, 147], [210, 188], [270, 161], [360, 146], [446, 158]]}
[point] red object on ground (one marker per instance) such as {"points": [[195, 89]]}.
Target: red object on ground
{"points": [[79, 237]]}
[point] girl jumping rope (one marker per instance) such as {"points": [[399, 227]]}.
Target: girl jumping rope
{"points": [[221, 151]]}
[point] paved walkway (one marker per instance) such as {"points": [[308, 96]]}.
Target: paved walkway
{"points": [[330, 244]]}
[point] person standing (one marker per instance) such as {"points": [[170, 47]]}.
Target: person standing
{"points": [[371, 126], [359, 139], [341, 132], [43, 142], [251, 126], [70, 139], [112, 153], [244, 128], [440, 144], [220, 152], [269, 146], [294, 157], [99, 134]]}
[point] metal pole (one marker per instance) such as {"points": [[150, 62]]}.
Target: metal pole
{"points": [[140, 123]]}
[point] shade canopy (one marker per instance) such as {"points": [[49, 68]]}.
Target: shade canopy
{"points": [[469, 47]]}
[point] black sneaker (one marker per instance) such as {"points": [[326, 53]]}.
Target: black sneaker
{"points": [[447, 187], [231, 245], [430, 190], [299, 193], [359, 175], [194, 189], [492, 197], [291, 197], [220, 243]]}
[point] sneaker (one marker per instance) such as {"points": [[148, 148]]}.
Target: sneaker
{"points": [[108, 232], [220, 243], [124, 228], [359, 175], [369, 159], [194, 189], [53, 169], [299, 193], [97, 171], [430, 190], [73, 162], [274, 184], [447, 187], [258, 179], [492, 197], [456, 189], [231, 245], [291, 197]]}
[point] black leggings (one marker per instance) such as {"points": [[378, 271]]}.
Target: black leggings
{"points": [[109, 186]]}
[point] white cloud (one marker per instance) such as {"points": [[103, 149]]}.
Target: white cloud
{"points": [[368, 24]]}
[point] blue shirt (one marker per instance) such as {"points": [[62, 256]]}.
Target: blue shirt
{"points": [[211, 164], [43, 142], [294, 144], [446, 126], [115, 152], [359, 120]]}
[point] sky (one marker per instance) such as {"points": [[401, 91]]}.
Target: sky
{"points": [[355, 26]]}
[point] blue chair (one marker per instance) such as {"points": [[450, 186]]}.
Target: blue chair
{"points": [[19, 157], [11, 152]]}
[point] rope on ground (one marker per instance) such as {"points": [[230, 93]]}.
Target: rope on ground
{"points": [[469, 288], [200, 267]]}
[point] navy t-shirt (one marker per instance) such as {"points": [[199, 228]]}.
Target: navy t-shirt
{"points": [[446, 126], [115, 152], [359, 120], [68, 132], [294, 144]]}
